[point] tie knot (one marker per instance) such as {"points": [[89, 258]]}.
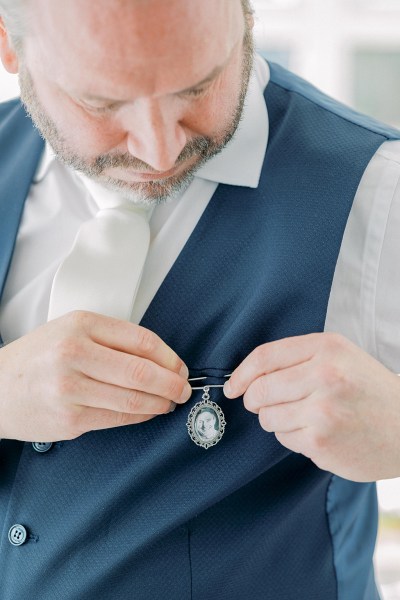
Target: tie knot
{"points": [[107, 199]]}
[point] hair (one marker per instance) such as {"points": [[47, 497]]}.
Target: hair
{"points": [[11, 10], [13, 13], [246, 5]]}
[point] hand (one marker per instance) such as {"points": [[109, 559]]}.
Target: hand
{"points": [[85, 371], [327, 399]]}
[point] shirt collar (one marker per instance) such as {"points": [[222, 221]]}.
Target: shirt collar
{"points": [[241, 161], [47, 159]]}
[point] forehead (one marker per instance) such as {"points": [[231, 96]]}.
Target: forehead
{"points": [[152, 45], [206, 415]]}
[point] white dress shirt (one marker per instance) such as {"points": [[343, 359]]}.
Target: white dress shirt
{"points": [[364, 303]]}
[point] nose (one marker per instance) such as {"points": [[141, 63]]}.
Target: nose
{"points": [[155, 134]]}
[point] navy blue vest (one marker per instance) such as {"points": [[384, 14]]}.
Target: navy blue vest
{"points": [[141, 512]]}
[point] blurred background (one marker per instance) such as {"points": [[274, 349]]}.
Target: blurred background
{"points": [[351, 50]]}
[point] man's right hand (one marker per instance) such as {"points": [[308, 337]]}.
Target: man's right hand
{"points": [[85, 371]]}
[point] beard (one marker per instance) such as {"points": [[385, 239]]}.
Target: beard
{"points": [[149, 193]]}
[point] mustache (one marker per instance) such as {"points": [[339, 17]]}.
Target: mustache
{"points": [[200, 146]]}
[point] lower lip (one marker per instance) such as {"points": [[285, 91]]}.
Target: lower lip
{"points": [[138, 176], [151, 176]]}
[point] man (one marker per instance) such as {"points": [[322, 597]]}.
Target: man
{"points": [[206, 424], [157, 105]]}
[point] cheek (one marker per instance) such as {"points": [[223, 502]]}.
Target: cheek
{"points": [[90, 135], [211, 115], [83, 133], [215, 113]]}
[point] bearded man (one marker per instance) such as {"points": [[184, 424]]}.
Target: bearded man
{"points": [[189, 211]]}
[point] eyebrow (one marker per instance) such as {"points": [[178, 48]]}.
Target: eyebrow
{"points": [[210, 77], [213, 75]]}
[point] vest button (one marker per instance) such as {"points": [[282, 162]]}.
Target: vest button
{"points": [[17, 535], [42, 446]]}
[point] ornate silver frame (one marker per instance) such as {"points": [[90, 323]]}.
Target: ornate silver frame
{"points": [[194, 413]]}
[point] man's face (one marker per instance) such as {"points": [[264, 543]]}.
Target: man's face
{"points": [[206, 424], [137, 94]]}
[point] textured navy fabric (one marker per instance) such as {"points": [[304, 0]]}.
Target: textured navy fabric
{"points": [[352, 510], [141, 512]]}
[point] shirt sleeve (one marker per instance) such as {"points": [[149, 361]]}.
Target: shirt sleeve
{"points": [[387, 287], [364, 303]]}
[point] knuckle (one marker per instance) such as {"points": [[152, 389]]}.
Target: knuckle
{"points": [[138, 372], [333, 415], [248, 401], [145, 341], [328, 375], [334, 379], [263, 387], [174, 387], [318, 443], [261, 356], [265, 420], [334, 342], [254, 396], [133, 402], [122, 419], [79, 319], [67, 349], [65, 386], [164, 407], [170, 407], [326, 410], [176, 364]]}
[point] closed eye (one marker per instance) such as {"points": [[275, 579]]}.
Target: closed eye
{"points": [[102, 109], [195, 93]]}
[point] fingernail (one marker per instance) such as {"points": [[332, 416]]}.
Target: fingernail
{"points": [[184, 372], [173, 407], [228, 390], [187, 392]]}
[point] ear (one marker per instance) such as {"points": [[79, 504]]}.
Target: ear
{"points": [[7, 54]]}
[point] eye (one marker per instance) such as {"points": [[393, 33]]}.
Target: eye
{"points": [[99, 109], [195, 92]]}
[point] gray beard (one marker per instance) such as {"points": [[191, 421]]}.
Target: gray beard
{"points": [[149, 193]]}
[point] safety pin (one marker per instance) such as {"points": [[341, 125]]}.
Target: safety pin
{"points": [[208, 386]]}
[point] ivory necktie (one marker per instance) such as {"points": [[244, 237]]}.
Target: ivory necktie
{"points": [[102, 272]]}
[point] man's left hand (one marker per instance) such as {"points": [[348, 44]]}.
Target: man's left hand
{"points": [[326, 398]]}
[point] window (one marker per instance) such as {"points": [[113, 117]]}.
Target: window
{"points": [[377, 83], [378, 5]]}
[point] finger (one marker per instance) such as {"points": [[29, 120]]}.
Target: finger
{"points": [[284, 418], [286, 385], [121, 400], [133, 373], [130, 338], [93, 419], [294, 440], [269, 358]]}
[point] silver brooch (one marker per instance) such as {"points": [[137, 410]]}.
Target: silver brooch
{"points": [[206, 421]]}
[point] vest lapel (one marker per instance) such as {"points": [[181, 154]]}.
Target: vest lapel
{"points": [[23, 146]]}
